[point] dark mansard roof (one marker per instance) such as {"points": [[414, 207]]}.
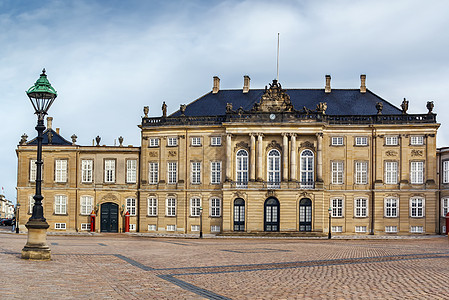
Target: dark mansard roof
{"points": [[55, 138]]}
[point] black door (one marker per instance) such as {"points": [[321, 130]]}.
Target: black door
{"points": [[305, 215], [109, 217], [239, 215], [271, 219]]}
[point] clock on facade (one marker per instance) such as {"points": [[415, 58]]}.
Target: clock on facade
{"points": [[272, 116]]}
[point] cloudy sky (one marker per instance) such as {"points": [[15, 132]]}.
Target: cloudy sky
{"points": [[108, 59]]}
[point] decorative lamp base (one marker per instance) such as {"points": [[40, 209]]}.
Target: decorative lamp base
{"points": [[36, 247]]}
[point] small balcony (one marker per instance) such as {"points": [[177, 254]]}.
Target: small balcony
{"points": [[239, 184], [306, 184]]}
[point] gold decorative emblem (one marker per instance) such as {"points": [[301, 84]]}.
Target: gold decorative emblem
{"points": [[417, 152], [391, 153], [172, 153], [153, 154], [307, 144], [274, 145], [241, 145], [271, 193]]}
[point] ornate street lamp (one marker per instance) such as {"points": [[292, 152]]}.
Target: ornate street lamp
{"points": [[201, 222], [329, 235], [17, 217], [42, 95]]}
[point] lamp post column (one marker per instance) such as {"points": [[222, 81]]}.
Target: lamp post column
{"points": [[329, 235]]}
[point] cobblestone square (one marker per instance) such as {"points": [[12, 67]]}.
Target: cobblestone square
{"points": [[138, 267]]}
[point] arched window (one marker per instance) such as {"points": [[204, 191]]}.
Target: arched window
{"points": [[242, 168], [239, 214], [307, 167], [274, 169]]}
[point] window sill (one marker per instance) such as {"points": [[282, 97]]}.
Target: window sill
{"points": [[151, 216], [55, 214], [170, 216]]}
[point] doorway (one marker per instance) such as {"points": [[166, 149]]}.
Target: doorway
{"points": [[109, 217]]}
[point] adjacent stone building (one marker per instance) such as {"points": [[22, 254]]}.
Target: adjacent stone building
{"points": [[252, 160]]}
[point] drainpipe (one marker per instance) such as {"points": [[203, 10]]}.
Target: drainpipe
{"points": [[186, 178], [76, 187], [373, 177], [439, 193]]}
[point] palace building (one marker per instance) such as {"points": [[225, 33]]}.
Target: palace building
{"points": [[251, 160]]}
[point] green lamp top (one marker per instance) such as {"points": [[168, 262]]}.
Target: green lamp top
{"points": [[42, 85]]}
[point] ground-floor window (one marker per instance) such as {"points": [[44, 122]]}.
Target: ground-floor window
{"points": [[239, 215], [305, 215]]}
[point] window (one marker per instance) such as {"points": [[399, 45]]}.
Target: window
{"points": [[131, 206], [195, 205], [337, 207], [306, 169], [152, 206], [361, 141], [85, 226], [391, 140], [444, 229], [196, 172], [391, 172], [417, 140], [153, 176], [417, 172], [242, 168], [444, 206], [31, 204], [337, 172], [60, 226], [417, 207], [274, 169], [195, 228], [391, 207], [33, 169], [86, 170], [361, 207], [132, 227], [86, 205], [109, 170], [361, 172], [215, 141], [337, 141], [416, 229], [60, 204], [131, 171], [172, 141], [215, 207], [153, 142], [171, 227], [61, 170], [171, 207], [196, 141], [215, 228], [152, 227], [391, 229], [446, 171], [172, 172], [360, 229], [215, 172], [337, 229]]}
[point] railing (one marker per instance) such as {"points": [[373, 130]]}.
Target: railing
{"points": [[239, 184], [272, 184], [306, 185]]}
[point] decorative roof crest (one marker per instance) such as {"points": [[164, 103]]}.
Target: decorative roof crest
{"points": [[274, 99]]}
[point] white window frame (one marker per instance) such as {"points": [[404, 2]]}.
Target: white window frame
{"points": [[171, 228], [215, 141], [337, 141], [215, 207], [87, 170], [31, 204], [417, 229], [132, 227], [444, 206], [170, 207], [172, 172], [391, 172], [172, 141], [195, 174], [195, 206], [195, 141], [274, 168], [391, 140], [417, 207], [86, 204], [391, 207], [131, 170], [241, 168], [131, 206], [215, 228], [60, 204], [153, 142], [417, 140], [446, 171], [361, 207], [307, 169], [152, 206], [152, 227], [61, 170], [195, 228], [153, 172], [215, 172], [109, 170], [391, 229], [337, 228], [337, 205], [337, 172], [361, 141], [33, 170], [416, 172], [361, 172], [85, 226], [60, 226], [360, 229]]}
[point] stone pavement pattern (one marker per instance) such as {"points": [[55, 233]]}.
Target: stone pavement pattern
{"points": [[132, 267]]}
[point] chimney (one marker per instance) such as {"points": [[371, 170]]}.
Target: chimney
{"points": [[216, 87], [246, 80], [327, 89], [362, 84], [57, 130], [49, 122]]}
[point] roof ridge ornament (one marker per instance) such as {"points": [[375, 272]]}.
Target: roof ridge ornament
{"points": [[274, 99]]}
